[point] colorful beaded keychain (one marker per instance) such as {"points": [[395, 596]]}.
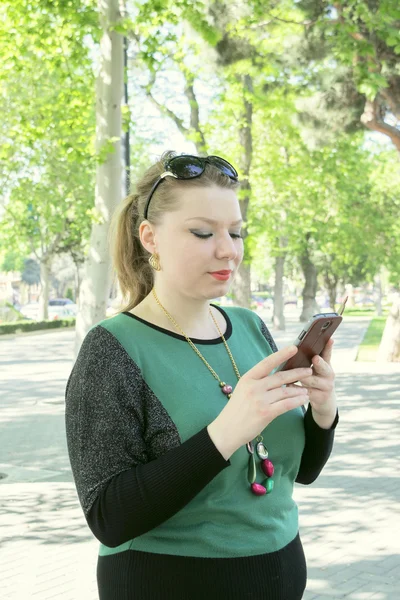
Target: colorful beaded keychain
{"points": [[267, 466]]}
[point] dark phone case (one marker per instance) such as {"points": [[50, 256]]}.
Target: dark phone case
{"points": [[313, 343]]}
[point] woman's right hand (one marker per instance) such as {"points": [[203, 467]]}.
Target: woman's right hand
{"points": [[257, 400]]}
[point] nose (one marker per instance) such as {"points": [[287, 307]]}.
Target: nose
{"points": [[226, 248]]}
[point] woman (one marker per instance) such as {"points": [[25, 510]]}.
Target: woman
{"points": [[173, 474]]}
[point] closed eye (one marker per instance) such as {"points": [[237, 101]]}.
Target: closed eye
{"points": [[205, 236]]}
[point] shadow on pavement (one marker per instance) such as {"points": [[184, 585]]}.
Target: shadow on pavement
{"points": [[44, 513]]}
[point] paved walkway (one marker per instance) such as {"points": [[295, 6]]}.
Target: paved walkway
{"points": [[349, 518]]}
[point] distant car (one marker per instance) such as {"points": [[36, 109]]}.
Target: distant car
{"points": [[257, 302], [262, 303], [30, 310], [365, 301], [55, 311], [291, 300], [322, 301], [60, 302], [268, 303], [59, 312]]}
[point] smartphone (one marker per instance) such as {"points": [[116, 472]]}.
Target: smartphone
{"points": [[312, 340]]}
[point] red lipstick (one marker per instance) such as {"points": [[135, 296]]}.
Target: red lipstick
{"points": [[221, 275]]}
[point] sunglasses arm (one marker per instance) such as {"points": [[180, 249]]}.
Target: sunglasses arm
{"points": [[155, 186]]}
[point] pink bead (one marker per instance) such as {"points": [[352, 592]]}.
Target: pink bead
{"points": [[267, 467], [227, 389], [258, 489]]}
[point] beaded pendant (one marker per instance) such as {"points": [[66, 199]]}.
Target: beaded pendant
{"points": [[226, 389], [267, 466]]}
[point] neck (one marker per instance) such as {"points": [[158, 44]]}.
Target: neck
{"points": [[191, 314]]}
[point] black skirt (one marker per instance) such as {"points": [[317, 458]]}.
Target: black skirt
{"points": [[133, 575]]}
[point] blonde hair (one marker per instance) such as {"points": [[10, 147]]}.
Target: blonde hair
{"points": [[129, 257]]}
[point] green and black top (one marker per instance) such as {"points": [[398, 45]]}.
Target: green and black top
{"points": [[173, 517]]}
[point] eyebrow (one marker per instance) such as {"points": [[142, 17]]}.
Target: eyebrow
{"points": [[212, 220]]}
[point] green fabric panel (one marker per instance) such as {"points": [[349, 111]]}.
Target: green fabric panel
{"points": [[225, 519]]}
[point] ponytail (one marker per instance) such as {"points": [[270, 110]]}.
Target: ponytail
{"points": [[130, 258]]}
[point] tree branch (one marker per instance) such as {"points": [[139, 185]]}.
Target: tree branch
{"points": [[34, 249], [262, 24], [201, 145], [372, 119], [306, 23], [391, 99], [53, 246], [169, 113], [246, 142], [164, 109]]}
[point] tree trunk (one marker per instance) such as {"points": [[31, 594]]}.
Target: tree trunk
{"points": [[45, 270], [389, 348], [378, 295], [241, 286], [126, 160], [310, 306], [332, 297], [77, 281], [78, 262], [95, 286], [278, 318], [331, 282], [350, 296]]}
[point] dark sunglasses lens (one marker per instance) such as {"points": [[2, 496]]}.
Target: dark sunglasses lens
{"points": [[186, 167], [223, 166]]}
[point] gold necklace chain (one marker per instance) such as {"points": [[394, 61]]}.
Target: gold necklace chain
{"points": [[256, 488], [194, 347]]}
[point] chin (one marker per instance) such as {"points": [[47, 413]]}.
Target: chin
{"points": [[222, 289]]}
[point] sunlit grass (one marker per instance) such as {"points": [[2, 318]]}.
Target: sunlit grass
{"points": [[369, 347], [363, 312]]}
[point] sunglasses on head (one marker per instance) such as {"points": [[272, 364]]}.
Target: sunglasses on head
{"points": [[190, 167]]}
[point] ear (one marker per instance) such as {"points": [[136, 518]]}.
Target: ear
{"points": [[147, 236]]}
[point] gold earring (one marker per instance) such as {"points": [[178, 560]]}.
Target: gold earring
{"points": [[154, 261]]}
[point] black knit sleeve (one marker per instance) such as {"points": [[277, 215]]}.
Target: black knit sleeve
{"points": [[145, 496], [319, 442], [317, 449], [131, 470]]}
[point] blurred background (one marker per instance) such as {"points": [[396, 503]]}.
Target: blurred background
{"points": [[303, 97]]}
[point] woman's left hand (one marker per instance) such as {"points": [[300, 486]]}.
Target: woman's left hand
{"points": [[321, 387]]}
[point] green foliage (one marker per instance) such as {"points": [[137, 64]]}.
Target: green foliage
{"points": [[47, 150], [9, 314], [70, 294], [363, 37], [12, 261], [31, 272]]}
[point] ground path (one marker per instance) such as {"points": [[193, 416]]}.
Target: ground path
{"points": [[349, 518]]}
